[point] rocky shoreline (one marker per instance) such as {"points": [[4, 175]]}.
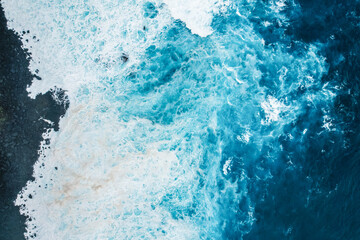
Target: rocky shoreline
{"points": [[21, 127]]}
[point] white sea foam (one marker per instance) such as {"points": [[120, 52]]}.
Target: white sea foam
{"points": [[227, 167], [197, 14], [95, 183], [245, 137], [273, 108], [75, 41]]}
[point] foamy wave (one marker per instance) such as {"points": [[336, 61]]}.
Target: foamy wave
{"points": [[144, 150]]}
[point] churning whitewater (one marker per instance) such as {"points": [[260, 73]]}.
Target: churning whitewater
{"points": [[175, 106]]}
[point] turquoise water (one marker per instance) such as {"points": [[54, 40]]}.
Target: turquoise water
{"points": [[180, 128]]}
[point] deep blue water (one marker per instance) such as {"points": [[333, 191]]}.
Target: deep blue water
{"points": [[317, 197], [248, 132]]}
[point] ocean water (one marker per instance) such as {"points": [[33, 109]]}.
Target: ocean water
{"points": [[194, 119]]}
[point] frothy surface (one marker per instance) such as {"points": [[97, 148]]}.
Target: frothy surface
{"points": [[168, 119]]}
